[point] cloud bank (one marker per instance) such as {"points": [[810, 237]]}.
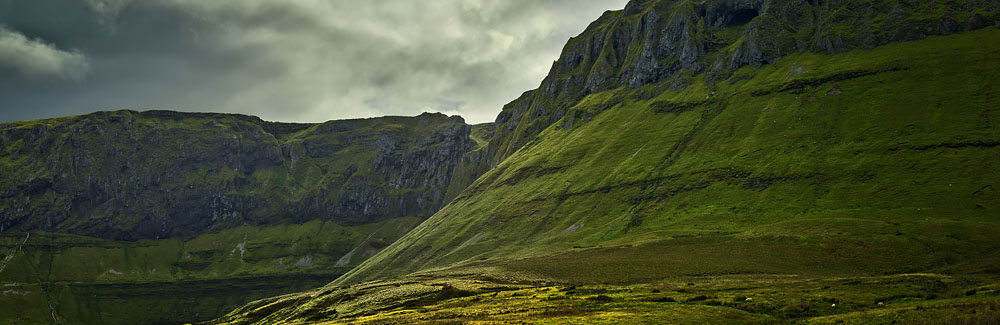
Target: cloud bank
{"points": [[306, 60], [35, 59]]}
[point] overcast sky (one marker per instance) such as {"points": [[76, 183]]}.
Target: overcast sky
{"points": [[295, 61]]}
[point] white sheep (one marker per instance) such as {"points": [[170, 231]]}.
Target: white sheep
{"points": [[749, 299]]}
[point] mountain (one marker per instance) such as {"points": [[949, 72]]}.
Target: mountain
{"points": [[794, 152], [169, 208], [129, 175], [682, 157], [669, 45], [698, 161]]}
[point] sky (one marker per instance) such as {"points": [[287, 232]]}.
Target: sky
{"points": [[291, 61]]}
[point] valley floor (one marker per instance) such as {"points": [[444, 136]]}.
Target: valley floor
{"points": [[492, 296]]}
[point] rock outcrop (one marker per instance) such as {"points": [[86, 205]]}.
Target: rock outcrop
{"points": [[135, 175], [666, 42]]}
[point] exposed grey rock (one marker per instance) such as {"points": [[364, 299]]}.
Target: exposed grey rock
{"points": [[131, 175], [652, 41]]}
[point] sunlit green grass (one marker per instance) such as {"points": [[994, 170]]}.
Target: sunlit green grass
{"points": [[484, 296], [894, 173]]}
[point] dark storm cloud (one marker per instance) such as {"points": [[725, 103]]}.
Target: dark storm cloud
{"points": [[307, 60]]}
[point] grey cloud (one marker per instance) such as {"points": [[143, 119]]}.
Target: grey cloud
{"points": [[313, 60], [36, 59]]}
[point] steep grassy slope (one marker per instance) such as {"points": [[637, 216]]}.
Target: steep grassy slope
{"points": [[867, 162], [782, 195], [740, 143], [665, 42]]}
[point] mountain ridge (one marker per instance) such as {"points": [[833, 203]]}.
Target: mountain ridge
{"points": [[663, 41], [769, 144], [814, 189], [680, 156], [212, 146], [168, 208], [696, 98]]}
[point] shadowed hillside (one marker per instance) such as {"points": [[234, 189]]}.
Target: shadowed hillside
{"points": [[141, 217], [158, 174]]}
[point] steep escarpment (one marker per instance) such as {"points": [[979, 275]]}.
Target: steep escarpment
{"points": [[676, 143], [646, 54], [867, 162], [163, 217], [146, 175], [659, 45]]}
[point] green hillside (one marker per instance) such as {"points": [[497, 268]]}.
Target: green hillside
{"points": [[480, 297], [131, 217], [719, 161], [809, 191], [668, 42], [867, 162], [711, 161]]}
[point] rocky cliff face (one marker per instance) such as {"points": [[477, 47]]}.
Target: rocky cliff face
{"points": [[134, 175], [844, 161], [666, 42]]}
